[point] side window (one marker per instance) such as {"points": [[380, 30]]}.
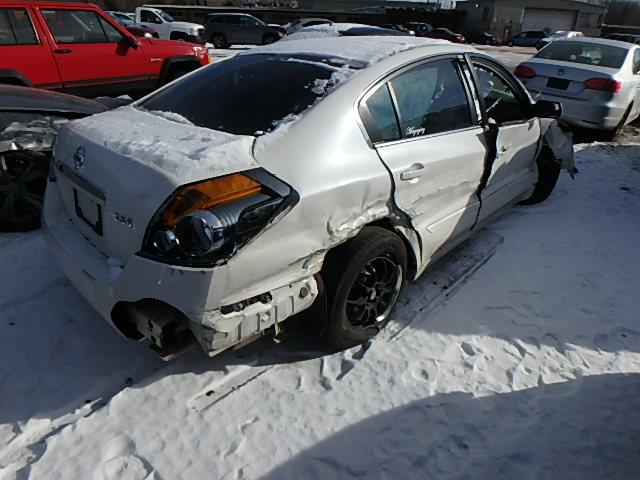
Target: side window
{"points": [[501, 101], [148, 16], [75, 26], [248, 22], [232, 20], [16, 28], [431, 98], [383, 115], [113, 36], [636, 61]]}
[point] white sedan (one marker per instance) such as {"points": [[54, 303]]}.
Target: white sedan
{"points": [[596, 80], [310, 176]]}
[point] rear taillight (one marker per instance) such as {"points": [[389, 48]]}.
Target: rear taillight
{"points": [[603, 85], [523, 71]]}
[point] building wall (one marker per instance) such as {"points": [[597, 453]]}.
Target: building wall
{"points": [[505, 17]]}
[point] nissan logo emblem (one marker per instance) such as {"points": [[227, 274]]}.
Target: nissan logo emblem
{"points": [[561, 72]]}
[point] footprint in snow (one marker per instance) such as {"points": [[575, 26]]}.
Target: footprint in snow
{"points": [[120, 463]]}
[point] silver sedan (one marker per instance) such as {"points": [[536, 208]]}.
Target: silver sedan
{"points": [[307, 177], [597, 81]]}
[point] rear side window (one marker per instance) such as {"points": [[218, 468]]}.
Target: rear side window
{"points": [[431, 98], [232, 20], [16, 27], [79, 26], [584, 53], [245, 95], [383, 116]]}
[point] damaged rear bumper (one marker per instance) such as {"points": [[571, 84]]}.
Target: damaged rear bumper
{"points": [[128, 296]]}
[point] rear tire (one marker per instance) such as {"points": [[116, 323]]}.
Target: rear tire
{"points": [[548, 173], [219, 40], [363, 277], [23, 180], [611, 135]]}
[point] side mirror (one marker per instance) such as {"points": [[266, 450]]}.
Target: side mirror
{"points": [[546, 109], [129, 41]]}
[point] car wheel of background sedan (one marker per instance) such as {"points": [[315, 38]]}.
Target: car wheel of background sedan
{"points": [[611, 135], [269, 38], [363, 279], [548, 173], [219, 40], [510, 44], [23, 179]]}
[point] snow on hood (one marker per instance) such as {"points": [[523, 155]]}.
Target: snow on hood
{"points": [[185, 24], [364, 51], [169, 142]]}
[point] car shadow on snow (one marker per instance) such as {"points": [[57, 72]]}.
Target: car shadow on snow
{"points": [[588, 428]]}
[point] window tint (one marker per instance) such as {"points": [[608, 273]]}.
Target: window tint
{"points": [[431, 98], [245, 95], [232, 20], [16, 28], [585, 53], [501, 102], [75, 26], [215, 20], [636, 61], [148, 16], [383, 114]]}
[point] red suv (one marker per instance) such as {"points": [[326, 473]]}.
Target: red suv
{"points": [[77, 48]]}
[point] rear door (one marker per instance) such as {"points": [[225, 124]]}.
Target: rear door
{"points": [[507, 108], [24, 50], [232, 29], [90, 54], [426, 133]]}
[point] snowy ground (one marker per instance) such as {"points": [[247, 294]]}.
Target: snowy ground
{"points": [[517, 358]]}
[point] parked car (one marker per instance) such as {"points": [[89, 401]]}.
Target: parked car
{"points": [[597, 81], [398, 27], [226, 29], [559, 35], [625, 37], [526, 39], [124, 19], [77, 48], [29, 121], [444, 34], [168, 27], [418, 28], [252, 191], [142, 32], [481, 38], [306, 22], [343, 30]]}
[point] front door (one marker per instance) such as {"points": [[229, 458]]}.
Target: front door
{"points": [[429, 139], [251, 31], [92, 58], [507, 108]]}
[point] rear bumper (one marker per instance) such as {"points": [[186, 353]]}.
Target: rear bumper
{"points": [[587, 113], [193, 293]]}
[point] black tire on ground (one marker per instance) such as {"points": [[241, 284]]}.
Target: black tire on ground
{"points": [[363, 278], [269, 38], [548, 173], [611, 135], [219, 40], [176, 73], [23, 179], [510, 44]]}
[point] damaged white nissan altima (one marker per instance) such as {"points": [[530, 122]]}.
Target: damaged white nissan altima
{"points": [[320, 172]]}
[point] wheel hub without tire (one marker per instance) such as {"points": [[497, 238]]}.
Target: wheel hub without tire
{"points": [[374, 292], [22, 186]]}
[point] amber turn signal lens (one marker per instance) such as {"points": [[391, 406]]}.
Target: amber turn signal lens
{"points": [[209, 194]]}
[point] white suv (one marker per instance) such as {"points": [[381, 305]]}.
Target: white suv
{"points": [[321, 172]]}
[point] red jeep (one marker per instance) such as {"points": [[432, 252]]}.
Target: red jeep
{"points": [[77, 48]]}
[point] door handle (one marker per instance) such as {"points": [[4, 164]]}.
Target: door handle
{"points": [[414, 171], [62, 50]]}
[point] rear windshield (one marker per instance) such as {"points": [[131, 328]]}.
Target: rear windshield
{"points": [[585, 53], [245, 95]]}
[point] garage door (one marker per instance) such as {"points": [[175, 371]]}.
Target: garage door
{"points": [[548, 20]]}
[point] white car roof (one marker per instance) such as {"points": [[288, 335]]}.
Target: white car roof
{"points": [[599, 41]]}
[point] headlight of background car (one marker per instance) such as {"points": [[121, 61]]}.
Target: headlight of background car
{"points": [[205, 223]]}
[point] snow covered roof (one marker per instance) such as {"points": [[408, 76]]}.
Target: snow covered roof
{"points": [[362, 51]]}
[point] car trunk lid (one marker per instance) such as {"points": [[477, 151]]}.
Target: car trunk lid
{"points": [[116, 169], [565, 79]]}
